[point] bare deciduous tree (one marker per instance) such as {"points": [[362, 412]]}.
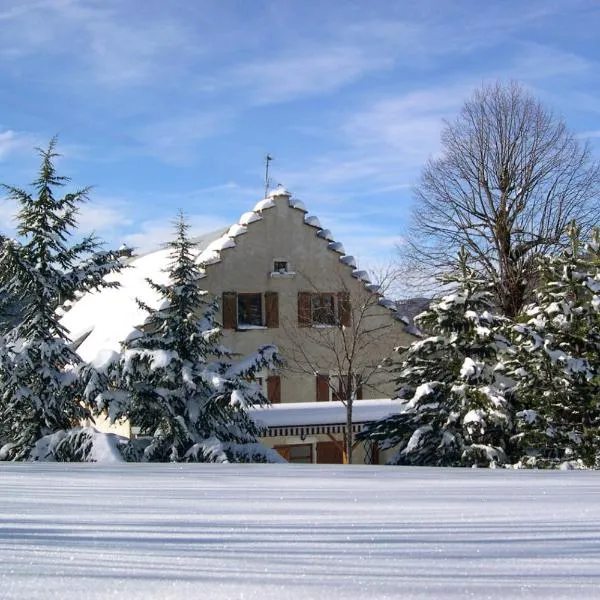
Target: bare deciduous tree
{"points": [[510, 178], [353, 340]]}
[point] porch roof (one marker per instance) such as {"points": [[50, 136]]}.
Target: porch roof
{"points": [[312, 418]]}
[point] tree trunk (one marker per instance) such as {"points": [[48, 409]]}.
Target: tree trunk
{"points": [[349, 435]]}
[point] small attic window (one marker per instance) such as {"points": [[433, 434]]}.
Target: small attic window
{"points": [[281, 268]]}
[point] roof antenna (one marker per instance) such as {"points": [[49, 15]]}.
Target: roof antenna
{"points": [[268, 159]]}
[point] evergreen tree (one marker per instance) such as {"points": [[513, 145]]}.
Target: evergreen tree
{"points": [[175, 381], [454, 411], [557, 360], [39, 387]]}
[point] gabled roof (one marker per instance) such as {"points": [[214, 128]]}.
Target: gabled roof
{"points": [[101, 320]]}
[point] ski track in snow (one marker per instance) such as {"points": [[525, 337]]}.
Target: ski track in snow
{"points": [[91, 531]]}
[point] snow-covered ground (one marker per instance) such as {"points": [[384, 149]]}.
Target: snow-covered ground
{"points": [[285, 532]]}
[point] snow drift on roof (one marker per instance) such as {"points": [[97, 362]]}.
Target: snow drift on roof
{"points": [[348, 260], [326, 235], [249, 217], [312, 221], [220, 244], [263, 205], [298, 204], [323, 413], [236, 229], [112, 313], [279, 191], [337, 247]]}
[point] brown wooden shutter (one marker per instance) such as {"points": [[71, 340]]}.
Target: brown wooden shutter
{"points": [[344, 309], [274, 389], [229, 310], [359, 392], [338, 394], [322, 388], [284, 451], [330, 453], [304, 309], [272, 309]]}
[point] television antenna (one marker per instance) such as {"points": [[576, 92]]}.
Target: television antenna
{"points": [[268, 159]]}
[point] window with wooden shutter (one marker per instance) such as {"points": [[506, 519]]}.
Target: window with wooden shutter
{"points": [[229, 310], [330, 453], [322, 387], [304, 309], [272, 309], [274, 389], [249, 309], [323, 309], [344, 312]]}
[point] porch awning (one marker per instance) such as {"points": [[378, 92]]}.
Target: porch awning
{"points": [[314, 418]]}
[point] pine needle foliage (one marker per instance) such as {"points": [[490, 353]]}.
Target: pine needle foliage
{"points": [[186, 395], [557, 360], [40, 270], [453, 408]]}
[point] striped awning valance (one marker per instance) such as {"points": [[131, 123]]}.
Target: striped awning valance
{"points": [[304, 430]]}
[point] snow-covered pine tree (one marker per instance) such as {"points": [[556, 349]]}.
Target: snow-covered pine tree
{"points": [[39, 388], [186, 393], [454, 411], [557, 361]]}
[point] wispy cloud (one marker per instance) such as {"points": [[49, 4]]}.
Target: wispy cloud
{"points": [[151, 235], [13, 142], [316, 71], [109, 43], [173, 139]]}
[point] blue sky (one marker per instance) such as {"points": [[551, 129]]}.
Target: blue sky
{"points": [[169, 105]]}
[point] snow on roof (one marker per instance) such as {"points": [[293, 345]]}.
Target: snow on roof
{"points": [[221, 244], [236, 229], [108, 316], [263, 205], [323, 413], [279, 191], [348, 260], [325, 234], [312, 221], [336, 247], [387, 303], [298, 204], [249, 217], [363, 276]]}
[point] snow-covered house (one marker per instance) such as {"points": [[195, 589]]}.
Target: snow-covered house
{"points": [[281, 278]]}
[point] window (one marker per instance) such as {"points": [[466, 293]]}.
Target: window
{"points": [[280, 266], [249, 309], [334, 387], [297, 453], [245, 310], [324, 308]]}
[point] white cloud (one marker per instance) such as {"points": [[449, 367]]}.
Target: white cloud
{"points": [[8, 211], [173, 139], [112, 46], [96, 217], [313, 71], [14, 142], [153, 233]]}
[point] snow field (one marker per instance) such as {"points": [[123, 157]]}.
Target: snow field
{"points": [[91, 531]]}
